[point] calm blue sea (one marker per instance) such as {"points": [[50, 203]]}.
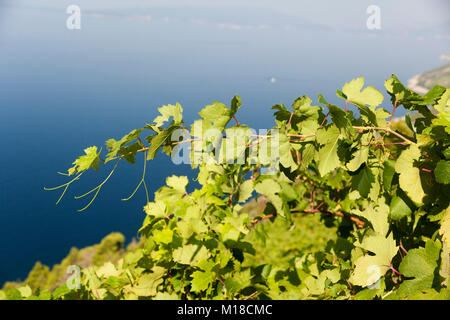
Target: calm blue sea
{"points": [[64, 90]]}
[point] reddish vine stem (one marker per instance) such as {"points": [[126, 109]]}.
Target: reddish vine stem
{"points": [[389, 144], [237, 123], [359, 223], [320, 204], [311, 200], [401, 247], [186, 130], [387, 129], [301, 135], [252, 295], [289, 122], [186, 141], [394, 271], [263, 218], [395, 280], [299, 157], [223, 284], [263, 205], [321, 125], [393, 111], [351, 288], [257, 143], [141, 143], [316, 209]]}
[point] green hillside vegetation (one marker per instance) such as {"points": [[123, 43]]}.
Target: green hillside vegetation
{"points": [[110, 249]]}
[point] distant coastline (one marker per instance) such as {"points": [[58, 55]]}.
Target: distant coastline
{"points": [[413, 84], [423, 82]]}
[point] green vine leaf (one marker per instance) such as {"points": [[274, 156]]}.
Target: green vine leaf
{"points": [[370, 268], [174, 111], [157, 141], [327, 156], [399, 209], [270, 189], [245, 190], [148, 284], [410, 180], [442, 172], [117, 147], [91, 159], [445, 229], [420, 264], [377, 214], [369, 95], [201, 280], [363, 181], [190, 254]]}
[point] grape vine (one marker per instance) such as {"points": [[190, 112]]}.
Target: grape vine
{"points": [[386, 191]]}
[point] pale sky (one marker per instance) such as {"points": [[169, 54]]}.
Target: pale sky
{"points": [[398, 15]]}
